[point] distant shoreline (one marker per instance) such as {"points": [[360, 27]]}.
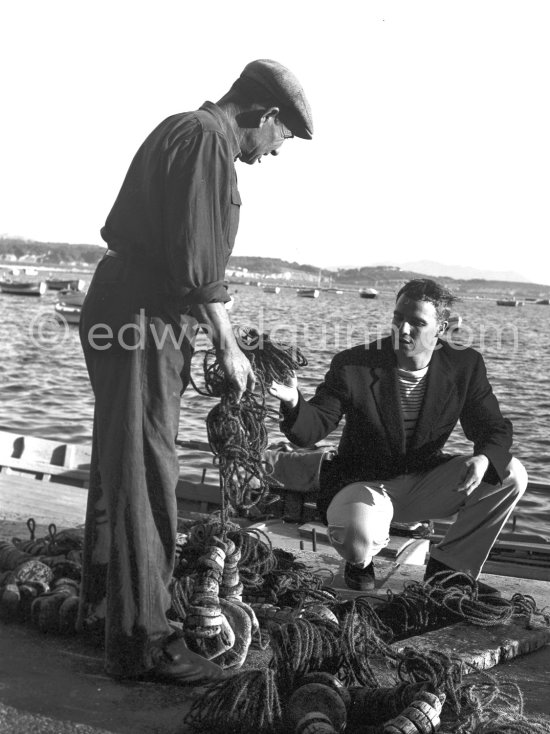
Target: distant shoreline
{"points": [[82, 259]]}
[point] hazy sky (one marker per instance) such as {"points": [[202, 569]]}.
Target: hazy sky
{"points": [[432, 122]]}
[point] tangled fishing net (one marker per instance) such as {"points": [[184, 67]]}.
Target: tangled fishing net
{"points": [[320, 647], [347, 646]]}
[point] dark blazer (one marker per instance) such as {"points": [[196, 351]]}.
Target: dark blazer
{"points": [[361, 385]]}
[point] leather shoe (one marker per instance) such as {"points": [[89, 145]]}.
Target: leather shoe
{"points": [[359, 579], [439, 574], [175, 663]]}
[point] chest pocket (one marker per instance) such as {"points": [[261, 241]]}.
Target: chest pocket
{"points": [[234, 215]]}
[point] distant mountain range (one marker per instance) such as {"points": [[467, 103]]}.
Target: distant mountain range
{"points": [[461, 272], [463, 279], [390, 277]]}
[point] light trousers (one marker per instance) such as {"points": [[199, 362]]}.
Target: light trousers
{"points": [[359, 516]]}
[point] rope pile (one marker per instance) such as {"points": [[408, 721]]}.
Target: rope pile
{"points": [[350, 642], [236, 430], [323, 648], [40, 579]]}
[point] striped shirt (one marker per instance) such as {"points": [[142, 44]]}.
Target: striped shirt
{"points": [[412, 386]]}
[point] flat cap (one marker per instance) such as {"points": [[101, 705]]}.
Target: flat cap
{"points": [[279, 83]]}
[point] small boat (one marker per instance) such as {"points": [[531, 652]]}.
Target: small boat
{"points": [[542, 302], [272, 289], [509, 302], [23, 287], [368, 293], [69, 305], [454, 322], [70, 314], [34, 472], [65, 284], [308, 292], [71, 298]]}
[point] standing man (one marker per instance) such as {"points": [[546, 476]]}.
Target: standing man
{"points": [[401, 397], [170, 233]]}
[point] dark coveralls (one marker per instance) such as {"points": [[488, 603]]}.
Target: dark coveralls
{"points": [[170, 234]]}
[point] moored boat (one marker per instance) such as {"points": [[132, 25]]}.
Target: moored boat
{"points": [[23, 287], [368, 293], [542, 302], [509, 302], [69, 305], [308, 292], [70, 314], [336, 291], [33, 471], [71, 297], [60, 284], [272, 289]]}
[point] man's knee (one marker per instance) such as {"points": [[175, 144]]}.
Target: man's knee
{"points": [[359, 518], [351, 543]]}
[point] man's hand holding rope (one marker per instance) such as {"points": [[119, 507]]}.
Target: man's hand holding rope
{"points": [[237, 369]]}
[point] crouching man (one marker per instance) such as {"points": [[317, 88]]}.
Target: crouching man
{"points": [[401, 397]]}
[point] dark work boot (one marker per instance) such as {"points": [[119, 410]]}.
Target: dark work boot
{"points": [[175, 663], [359, 579], [438, 573]]}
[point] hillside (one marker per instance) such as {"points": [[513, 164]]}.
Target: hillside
{"points": [[50, 253], [384, 278], [57, 254]]}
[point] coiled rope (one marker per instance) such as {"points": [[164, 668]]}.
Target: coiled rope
{"points": [[351, 641], [236, 430]]}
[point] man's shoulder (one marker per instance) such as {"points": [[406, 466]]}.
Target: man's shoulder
{"points": [[458, 355], [186, 125], [378, 353]]}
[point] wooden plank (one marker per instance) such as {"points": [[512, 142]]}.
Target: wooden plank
{"points": [[517, 545], [77, 456], [22, 497], [34, 450], [41, 471], [417, 547], [518, 570], [481, 647], [198, 492]]}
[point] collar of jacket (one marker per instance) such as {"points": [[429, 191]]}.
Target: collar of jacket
{"points": [[385, 391], [225, 125]]}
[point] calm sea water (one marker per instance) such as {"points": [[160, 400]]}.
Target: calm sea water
{"points": [[44, 388]]}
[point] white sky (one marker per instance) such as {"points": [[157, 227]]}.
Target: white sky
{"points": [[432, 121]]}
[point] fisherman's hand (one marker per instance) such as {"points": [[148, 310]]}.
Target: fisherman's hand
{"points": [[474, 471], [237, 370], [286, 392]]}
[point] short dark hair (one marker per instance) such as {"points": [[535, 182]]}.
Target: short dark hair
{"points": [[425, 289]]}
